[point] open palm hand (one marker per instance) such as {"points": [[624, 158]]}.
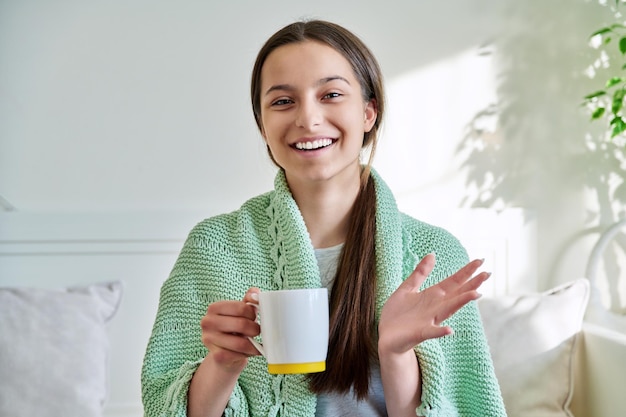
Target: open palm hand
{"points": [[411, 316]]}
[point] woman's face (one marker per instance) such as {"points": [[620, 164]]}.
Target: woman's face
{"points": [[313, 115]]}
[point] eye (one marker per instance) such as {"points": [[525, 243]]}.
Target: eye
{"points": [[282, 102], [332, 95]]}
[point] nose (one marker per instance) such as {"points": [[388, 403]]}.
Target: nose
{"points": [[309, 114]]}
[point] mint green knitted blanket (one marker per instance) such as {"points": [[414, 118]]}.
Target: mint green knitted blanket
{"points": [[265, 244]]}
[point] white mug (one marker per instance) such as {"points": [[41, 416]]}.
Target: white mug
{"points": [[294, 330]]}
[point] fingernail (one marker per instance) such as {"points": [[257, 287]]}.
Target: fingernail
{"points": [[254, 296]]}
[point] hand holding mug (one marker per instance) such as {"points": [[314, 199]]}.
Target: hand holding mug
{"points": [[226, 327]]}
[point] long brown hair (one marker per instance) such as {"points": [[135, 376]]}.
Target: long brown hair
{"points": [[352, 344]]}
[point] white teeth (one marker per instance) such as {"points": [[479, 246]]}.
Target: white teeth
{"points": [[316, 144]]}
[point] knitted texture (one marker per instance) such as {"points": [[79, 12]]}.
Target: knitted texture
{"points": [[266, 244]]}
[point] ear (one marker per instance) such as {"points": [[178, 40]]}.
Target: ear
{"points": [[371, 113]]}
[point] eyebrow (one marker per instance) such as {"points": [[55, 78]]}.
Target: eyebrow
{"points": [[325, 80]]}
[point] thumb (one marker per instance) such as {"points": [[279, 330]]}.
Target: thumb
{"points": [[421, 272], [252, 296]]}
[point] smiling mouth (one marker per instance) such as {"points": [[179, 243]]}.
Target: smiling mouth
{"points": [[313, 145]]}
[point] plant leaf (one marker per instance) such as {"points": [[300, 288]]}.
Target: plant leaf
{"points": [[597, 113], [622, 45], [618, 127], [597, 93], [600, 32], [618, 101], [613, 81]]}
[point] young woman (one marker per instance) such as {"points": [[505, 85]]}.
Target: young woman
{"points": [[405, 335]]}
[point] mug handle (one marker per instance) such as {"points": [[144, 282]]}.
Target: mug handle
{"points": [[256, 344]]}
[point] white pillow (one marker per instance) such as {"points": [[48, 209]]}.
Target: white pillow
{"points": [[54, 350], [532, 340]]}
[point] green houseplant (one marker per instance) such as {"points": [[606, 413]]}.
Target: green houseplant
{"points": [[534, 146], [607, 103]]}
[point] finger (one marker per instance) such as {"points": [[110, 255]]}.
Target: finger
{"points": [[231, 323], [435, 332], [421, 272], [475, 283], [230, 342], [232, 308], [252, 296], [447, 308], [461, 276]]}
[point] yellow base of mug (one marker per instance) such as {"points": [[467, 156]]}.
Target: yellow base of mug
{"points": [[296, 368]]}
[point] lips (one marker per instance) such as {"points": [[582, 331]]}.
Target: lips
{"points": [[311, 145]]}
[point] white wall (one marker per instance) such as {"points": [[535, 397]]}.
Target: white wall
{"points": [[143, 105]]}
